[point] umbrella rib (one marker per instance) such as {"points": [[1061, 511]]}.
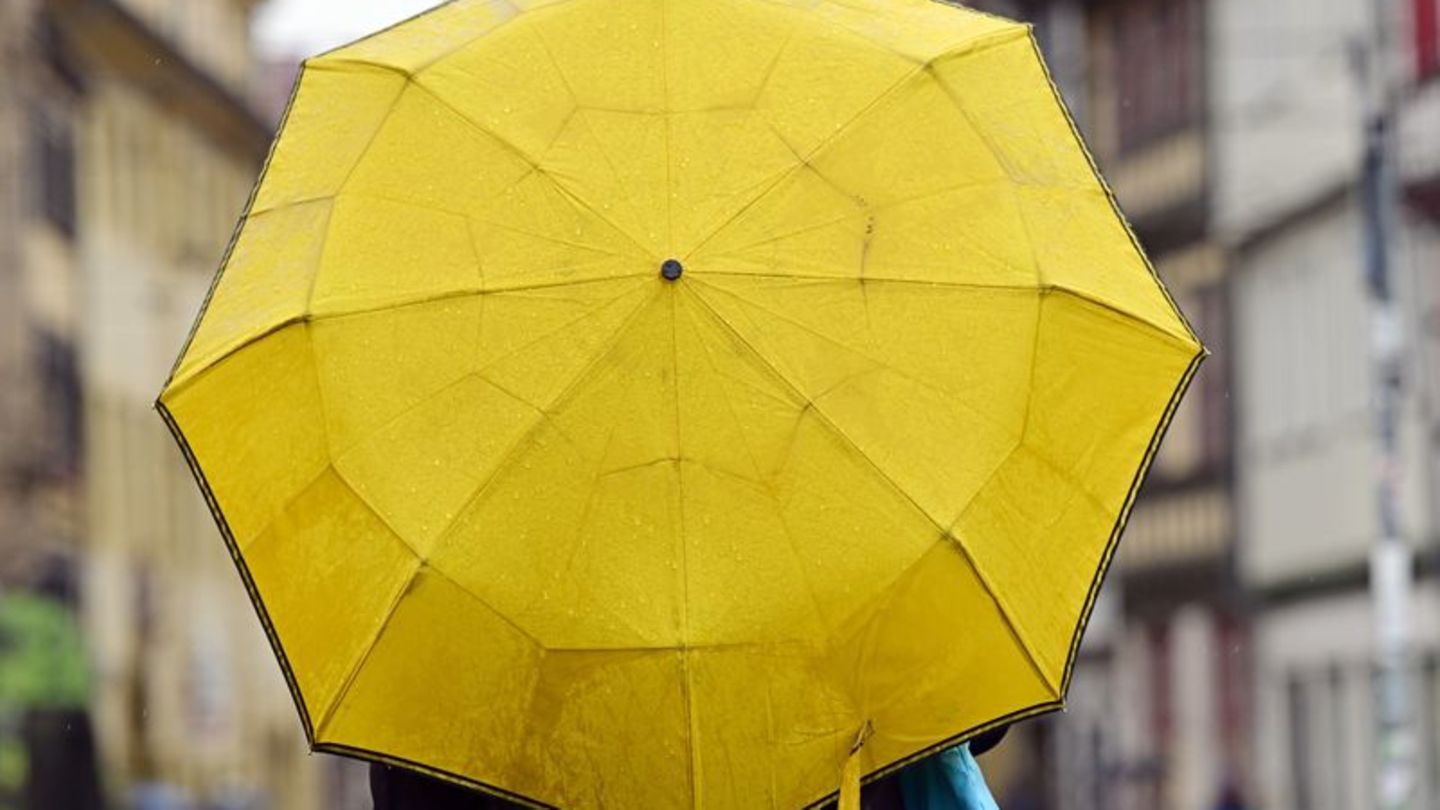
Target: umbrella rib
{"points": [[578, 542], [775, 62], [766, 489], [813, 406], [860, 213], [374, 136], [580, 378], [382, 32], [585, 119], [1005, 615], [422, 563], [859, 353], [971, 47], [884, 476], [1039, 316], [421, 567], [575, 201], [804, 160], [518, 12], [625, 199], [473, 218], [1109, 193], [429, 398], [684, 555], [350, 677], [1060, 289], [630, 290], [669, 156], [684, 656], [220, 357]]}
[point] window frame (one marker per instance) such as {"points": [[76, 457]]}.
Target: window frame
{"points": [[1425, 39], [1158, 70], [56, 177]]}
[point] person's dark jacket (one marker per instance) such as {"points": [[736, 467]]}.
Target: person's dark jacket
{"points": [[400, 789]]}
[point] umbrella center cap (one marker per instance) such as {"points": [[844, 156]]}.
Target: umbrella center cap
{"points": [[672, 270]]}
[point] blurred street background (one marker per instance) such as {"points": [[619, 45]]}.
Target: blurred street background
{"points": [[1232, 661]]}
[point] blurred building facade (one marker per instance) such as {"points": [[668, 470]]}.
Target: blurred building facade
{"points": [[1234, 660], [1292, 208], [41, 487], [1160, 703], [126, 155]]}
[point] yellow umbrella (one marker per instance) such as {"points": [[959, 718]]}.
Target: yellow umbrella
{"points": [[639, 403]]}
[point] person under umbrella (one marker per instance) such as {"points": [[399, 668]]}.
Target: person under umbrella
{"points": [[950, 780]]}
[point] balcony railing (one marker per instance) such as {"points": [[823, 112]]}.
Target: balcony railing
{"points": [[1179, 526]]}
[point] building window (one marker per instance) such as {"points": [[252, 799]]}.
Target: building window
{"points": [[1198, 443], [1299, 733], [1207, 310], [59, 375], [1157, 50], [1427, 38], [53, 145]]}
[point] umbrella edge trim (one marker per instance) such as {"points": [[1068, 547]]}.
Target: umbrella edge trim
{"points": [[1116, 533], [1036, 710], [1157, 439], [251, 589], [367, 755]]}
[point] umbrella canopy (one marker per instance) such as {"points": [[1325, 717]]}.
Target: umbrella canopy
{"points": [[635, 403]]}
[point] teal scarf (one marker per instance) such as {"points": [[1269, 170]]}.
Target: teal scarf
{"points": [[950, 780]]}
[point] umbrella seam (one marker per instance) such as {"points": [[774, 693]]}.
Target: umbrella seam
{"points": [[211, 363], [320, 259], [515, 17], [976, 45], [669, 151], [614, 168], [320, 397], [767, 490], [473, 217], [577, 542], [1179, 341], [835, 428], [479, 373], [764, 84], [859, 353], [688, 680], [236, 231], [815, 408], [370, 142], [1166, 419], [1105, 186], [944, 532], [803, 161], [423, 559], [580, 378], [332, 55], [329, 711], [1006, 616], [575, 200], [872, 627], [243, 568], [869, 210]]}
